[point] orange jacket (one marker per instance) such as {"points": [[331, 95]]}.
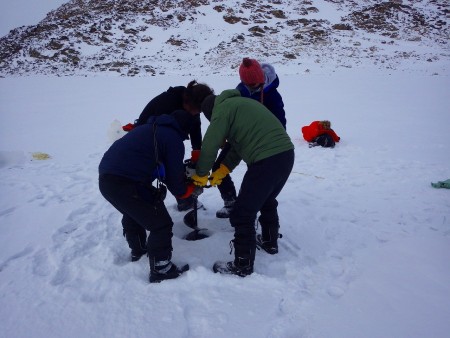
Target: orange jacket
{"points": [[315, 129]]}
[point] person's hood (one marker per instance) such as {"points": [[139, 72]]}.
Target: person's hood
{"points": [[179, 120], [269, 73], [226, 94], [272, 80], [178, 90]]}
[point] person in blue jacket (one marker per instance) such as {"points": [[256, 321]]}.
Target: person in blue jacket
{"points": [[258, 82], [186, 98], [149, 152]]}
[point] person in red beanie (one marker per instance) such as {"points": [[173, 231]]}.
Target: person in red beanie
{"points": [[251, 73], [258, 82]]}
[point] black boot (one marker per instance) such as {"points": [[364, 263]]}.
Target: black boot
{"points": [[136, 255], [165, 269], [271, 247], [268, 240], [187, 204], [137, 242], [240, 267], [244, 256], [228, 201], [226, 210]]}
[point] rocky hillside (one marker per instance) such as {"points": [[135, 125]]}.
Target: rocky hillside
{"points": [[149, 37]]}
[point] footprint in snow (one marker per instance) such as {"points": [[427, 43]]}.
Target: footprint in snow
{"points": [[41, 264], [14, 257]]}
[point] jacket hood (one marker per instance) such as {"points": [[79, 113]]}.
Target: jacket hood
{"points": [[272, 80], [178, 90], [171, 122], [226, 94], [269, 72]]}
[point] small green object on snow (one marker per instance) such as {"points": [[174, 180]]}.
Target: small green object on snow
{"points": [[442, 184], [40, 156]]}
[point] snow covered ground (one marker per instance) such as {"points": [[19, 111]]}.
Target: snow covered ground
{"points": [[366, 239]]}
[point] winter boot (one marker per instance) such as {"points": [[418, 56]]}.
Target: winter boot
{"points": [[137, 242], [162, 270], [136, 255], [240, 267], [268, 240], [271, 247], [187, 204], [226, 210]]}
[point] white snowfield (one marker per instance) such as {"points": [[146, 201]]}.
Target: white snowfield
{"points": [[366, 239]]}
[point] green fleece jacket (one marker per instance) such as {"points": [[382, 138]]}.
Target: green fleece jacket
{"points": [[252, 130]]}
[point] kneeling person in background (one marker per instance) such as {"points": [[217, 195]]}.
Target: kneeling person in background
{"points": [[319, 133]]}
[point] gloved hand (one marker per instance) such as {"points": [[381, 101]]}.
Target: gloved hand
{"points": [[190, 188], [128, 127], [195, 155], [200, 181], [218, 175]]}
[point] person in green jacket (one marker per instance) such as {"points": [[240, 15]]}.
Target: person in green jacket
{"points": [[258, 138]]}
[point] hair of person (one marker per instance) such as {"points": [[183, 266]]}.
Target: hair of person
{"points": [[208, 105], [195, 93], [325, 124]]}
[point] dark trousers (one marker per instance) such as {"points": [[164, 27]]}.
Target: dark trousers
{"points": [[226, 188], [325, 140], [141, 211], [260, 187]]}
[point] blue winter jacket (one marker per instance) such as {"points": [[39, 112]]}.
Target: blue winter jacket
{"points": [[271, 97], [133, 155]]}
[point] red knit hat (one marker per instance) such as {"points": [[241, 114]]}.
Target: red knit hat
{"points": [[251, 72]]}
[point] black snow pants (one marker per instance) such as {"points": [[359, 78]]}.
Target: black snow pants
{"points": [[262, 183], [141, 211]]}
